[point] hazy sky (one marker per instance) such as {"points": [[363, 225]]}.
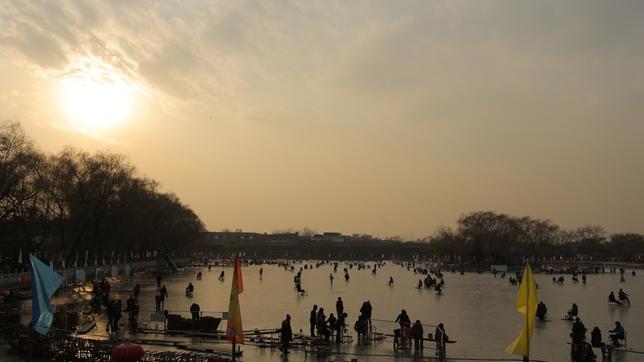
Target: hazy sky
{"points": [[389, 117]]}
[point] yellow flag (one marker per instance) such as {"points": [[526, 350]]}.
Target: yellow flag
{"points": [[526, 305], [234, 331]]}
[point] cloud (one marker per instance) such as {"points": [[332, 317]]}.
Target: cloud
{"points": [[39, 47], [419, 59], [486, 86]]}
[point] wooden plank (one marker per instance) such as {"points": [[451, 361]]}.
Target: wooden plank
{"points": [[424, 339], [206, 349], [85, 327]]}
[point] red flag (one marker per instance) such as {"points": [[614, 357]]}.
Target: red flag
{"points": [[237, 277], [234, 331]]}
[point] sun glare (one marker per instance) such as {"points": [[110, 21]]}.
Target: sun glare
{"points": [[95, 96]]}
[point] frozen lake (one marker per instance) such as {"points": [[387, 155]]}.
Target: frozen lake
{"points": [[476, 309]]}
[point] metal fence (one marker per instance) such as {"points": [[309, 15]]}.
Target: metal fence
{"points": [[82, 274]]}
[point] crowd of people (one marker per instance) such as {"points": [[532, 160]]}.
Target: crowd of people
{"points": [[581, 350], [623, 298], [327, 327], [332, 327], [101, 297]]}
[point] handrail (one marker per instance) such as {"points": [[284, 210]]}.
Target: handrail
{"points": [[388, 321]]}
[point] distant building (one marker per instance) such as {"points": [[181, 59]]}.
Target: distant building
{"points": [[329, 236], [231, 235], [238, 237]]}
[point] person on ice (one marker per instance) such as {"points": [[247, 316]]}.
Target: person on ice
{"points": [[417, 335]]}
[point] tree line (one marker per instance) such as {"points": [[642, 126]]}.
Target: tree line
{"points": [[74, 201], [478, 239], [486, 237]]}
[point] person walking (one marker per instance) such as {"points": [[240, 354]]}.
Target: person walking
{"points": [[163, 294]]}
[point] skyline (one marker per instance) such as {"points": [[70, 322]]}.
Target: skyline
{"points": [[367, 117]]}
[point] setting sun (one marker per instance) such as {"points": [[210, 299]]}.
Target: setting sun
{"points": [[96, 97]]}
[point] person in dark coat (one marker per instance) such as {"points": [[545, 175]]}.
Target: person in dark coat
{"points": [[441, 339], [365, 310], [596, 337], [163, 294], [195, 310], [417, 335], [286, 334], [361, 328], [118, 305], [323, 328], [617, 333], [331, 321], [578, 331], [405, 323], [612, 299], [313, 319], [542, 311], [110, 315], [339, 327], [133, 311], [403, 319], [339, 307]]}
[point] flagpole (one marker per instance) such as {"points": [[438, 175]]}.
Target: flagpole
{"points": [[31, 348], [234, 337], [234, 286], [527, 314]]}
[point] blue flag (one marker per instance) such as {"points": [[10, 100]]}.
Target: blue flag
{"points": [[44, 283]]}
